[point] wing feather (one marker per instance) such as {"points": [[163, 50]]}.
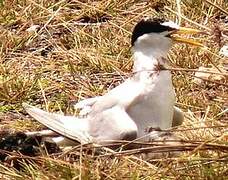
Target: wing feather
{"points": [[68, 126]]}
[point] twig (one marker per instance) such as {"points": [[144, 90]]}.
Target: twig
{"points": [[167, 148], [195, 128], [197, 24], [197, 164], [195, 70], [222, 84], [218, 7], [223, 159], [43, 94], [187, 70], [192, 70], [178, 2]]}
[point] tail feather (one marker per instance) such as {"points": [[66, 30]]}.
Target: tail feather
{"points": [[68, 126]]}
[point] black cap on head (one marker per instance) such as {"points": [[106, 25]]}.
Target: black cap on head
{"points": [[149, 25]]}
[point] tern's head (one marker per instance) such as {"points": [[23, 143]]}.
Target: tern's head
{"points": [[159, 35]]}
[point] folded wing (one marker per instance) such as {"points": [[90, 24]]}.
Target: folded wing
{"points": [[68, 126], [110, 124]]}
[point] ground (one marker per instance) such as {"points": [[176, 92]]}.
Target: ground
{"points": [[55, 53]]}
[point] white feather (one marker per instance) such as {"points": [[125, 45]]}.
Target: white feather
{"points": [[144, 100]]}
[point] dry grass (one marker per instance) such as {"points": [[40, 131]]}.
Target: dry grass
{"points": [[64, 60]]}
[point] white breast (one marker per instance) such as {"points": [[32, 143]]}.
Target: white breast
{"points": [[154, 106]]}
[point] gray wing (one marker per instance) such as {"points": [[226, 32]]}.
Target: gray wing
{"points": [[111, 124], [107, 119], [85, 107], [68, 126], [123, 96]]}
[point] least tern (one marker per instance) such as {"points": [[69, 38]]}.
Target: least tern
{"points": [[143, 101]]}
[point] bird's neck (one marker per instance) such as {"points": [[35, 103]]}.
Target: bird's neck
{"points": [[148, 60]]}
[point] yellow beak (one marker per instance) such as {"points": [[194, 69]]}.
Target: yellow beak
{"points": [[183, 30]]}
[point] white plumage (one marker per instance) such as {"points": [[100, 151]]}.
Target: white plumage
{"points": [[126, 112]]}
